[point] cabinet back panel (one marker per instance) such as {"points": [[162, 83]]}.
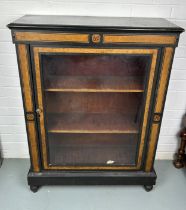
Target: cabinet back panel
{"points": [[95, 65], [93, 102]]}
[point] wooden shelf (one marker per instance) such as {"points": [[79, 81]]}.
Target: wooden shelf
{"points": [[91, 123], [93, 84]]}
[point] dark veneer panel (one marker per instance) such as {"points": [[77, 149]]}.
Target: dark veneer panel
{"points": [[92, 178]]}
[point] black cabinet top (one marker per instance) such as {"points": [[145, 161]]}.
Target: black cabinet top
{"points": [[45, 22]]}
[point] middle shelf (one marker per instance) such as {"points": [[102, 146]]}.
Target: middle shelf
{"points": [[93, 84], [91, 123]]}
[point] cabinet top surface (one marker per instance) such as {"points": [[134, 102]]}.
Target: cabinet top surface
{"points": [[55, 22]]}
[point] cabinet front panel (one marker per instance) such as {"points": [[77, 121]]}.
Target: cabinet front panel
{"points": [[93, 106]]}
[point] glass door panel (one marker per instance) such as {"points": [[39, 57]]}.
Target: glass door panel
{"points": [[93, 107]]}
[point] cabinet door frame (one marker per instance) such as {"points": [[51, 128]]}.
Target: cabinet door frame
{"points": [[36, 50], [158, 105]]}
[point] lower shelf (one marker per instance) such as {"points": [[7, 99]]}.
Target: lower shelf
{"points": [[91, 178]]}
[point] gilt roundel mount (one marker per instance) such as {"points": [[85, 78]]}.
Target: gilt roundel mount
{"points": [[157, 117], [96, 38], [29, 116]]}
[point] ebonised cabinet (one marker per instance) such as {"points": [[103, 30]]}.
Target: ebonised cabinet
{"points": [[94, 90]]}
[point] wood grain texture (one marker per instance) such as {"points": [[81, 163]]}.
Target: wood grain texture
{"points": [[147, 105], [129, 51], [54, 37], [32, 136], [152, 143], [145, 39], [24, 70], [159, 103], [28, 102], [167, 58], [40, 107]]}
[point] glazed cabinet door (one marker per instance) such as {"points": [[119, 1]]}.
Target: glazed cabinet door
{"points": [[93, 105]]}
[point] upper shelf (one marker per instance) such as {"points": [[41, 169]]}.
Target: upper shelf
{"points": [[93, 84]]}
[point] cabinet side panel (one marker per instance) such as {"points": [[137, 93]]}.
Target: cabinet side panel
{"points": [[27, 94], [159, 105]]}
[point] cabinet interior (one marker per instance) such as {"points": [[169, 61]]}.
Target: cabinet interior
{"points": [[93, 107]]}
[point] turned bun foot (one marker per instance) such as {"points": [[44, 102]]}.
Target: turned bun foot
{"points": [[148, 188], [34, 188]]}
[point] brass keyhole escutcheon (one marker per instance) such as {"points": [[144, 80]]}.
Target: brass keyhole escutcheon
{"points": [[96, 38]]}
